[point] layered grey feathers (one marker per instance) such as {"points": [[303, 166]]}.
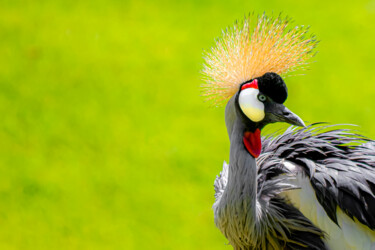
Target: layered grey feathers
{"points": [[254, 215], [221, 182], [339, 163], [340, 166]]}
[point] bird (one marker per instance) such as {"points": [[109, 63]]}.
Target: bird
{"points": [[308, 187]]}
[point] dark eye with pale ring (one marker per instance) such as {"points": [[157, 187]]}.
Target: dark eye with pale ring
{"points": [[262, 98]]}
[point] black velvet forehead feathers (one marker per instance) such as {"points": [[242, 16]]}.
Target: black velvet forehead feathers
{"points": [[272, 85]]}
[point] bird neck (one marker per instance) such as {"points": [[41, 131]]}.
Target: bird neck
{"points": [[241, 190]]}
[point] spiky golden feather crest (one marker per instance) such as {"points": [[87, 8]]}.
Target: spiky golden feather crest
{"points": [[252, 48]]}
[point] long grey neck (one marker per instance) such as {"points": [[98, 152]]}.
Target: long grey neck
{"points": [[242, 166], [241, 190]]}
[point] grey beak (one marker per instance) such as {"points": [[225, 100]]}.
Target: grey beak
{"points": [[280, 113], [290, 117]]}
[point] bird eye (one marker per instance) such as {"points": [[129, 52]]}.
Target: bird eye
{"points": [[262, 98]]}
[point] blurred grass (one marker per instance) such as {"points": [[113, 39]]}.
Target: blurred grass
{"points": [[105, 142]]}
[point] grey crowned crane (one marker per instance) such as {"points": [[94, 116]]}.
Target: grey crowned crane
{"points": [[308, 188]]}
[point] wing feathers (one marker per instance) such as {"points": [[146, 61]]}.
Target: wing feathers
{"points": [[339, 163]]}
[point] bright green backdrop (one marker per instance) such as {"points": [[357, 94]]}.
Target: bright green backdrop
{"points": [[105, 142]]}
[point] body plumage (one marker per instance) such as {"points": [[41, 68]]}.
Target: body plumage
{"points": [[318, 182], [309, 188]]}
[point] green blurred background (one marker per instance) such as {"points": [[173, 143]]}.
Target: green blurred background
{"points": [[105, 141]]}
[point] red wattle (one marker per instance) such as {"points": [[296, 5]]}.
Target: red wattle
{"points": [[253, 142]]}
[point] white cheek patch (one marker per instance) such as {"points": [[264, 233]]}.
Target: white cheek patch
{"points": [[250, 105]]}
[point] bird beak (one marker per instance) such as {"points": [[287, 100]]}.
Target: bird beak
{"points": [[279, 113]]}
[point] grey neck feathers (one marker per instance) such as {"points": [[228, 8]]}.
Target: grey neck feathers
{"points": [[230, 116], [242, 177], [236, 213], [241, 190]]}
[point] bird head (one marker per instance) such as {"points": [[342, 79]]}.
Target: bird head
{"points": [[245, 66], [259, 102]]}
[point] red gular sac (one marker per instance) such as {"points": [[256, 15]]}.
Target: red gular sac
{"points": [[253, 84], [253, 143]]}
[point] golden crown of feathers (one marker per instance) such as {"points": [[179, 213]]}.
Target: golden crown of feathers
{"points": [[252, 48]]}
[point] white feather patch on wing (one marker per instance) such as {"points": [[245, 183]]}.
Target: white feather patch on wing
{"points": [[350, 235]]}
